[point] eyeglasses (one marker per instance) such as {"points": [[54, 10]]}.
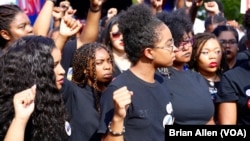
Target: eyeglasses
{"points": [[116, 35], [185, 42], [230, 42], [169, 47]]}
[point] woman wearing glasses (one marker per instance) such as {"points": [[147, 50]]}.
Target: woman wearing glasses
{"points": [[112, 37], [192, 105], [228, 37], [136, 105]]}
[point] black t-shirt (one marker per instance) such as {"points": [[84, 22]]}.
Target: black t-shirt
{"points": [[235, 86], [116, 71], [148, 113], [67, 55], [190, 97], [80, 103], [242, 57]]}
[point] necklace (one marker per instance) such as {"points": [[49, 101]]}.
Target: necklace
{"points": [[164, 72], [211, 82], [212, 89]]}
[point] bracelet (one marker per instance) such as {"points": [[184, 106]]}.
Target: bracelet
{"points": [[94, 10], [115, 133]]}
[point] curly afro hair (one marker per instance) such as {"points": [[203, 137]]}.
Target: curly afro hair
{"points": [[139, 28], [178, 22]]}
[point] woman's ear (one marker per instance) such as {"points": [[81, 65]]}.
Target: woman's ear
{"points": [[5, 34], [148, 52]]}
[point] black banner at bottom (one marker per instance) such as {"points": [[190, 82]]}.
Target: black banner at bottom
{"points": [[214, 132]]}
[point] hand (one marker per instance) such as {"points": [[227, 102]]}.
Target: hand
{"points": [[96, 4], [233, 23], [70, 12], [69, 26], [111, 13], [57, 13], [189, 3], [156, 3], [122, 99], [24, 103], [212, 7]]}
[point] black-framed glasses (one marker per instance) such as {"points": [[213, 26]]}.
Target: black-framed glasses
{"points": [[229, 42]]}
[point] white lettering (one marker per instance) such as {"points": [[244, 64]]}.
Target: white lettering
{"points": [[180, 132]]}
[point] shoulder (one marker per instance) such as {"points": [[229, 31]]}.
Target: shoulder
{"points": [[244, 66]]}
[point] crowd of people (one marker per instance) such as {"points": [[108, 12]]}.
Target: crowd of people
{"points": [[125, 76]]}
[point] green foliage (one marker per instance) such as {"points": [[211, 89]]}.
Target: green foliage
{"points": [[232, 10]]}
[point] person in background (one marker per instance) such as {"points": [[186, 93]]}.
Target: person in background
{"points": [[14, 23], [191, 7], [137, 103], [245, 40], [195, 91], [244, 54], [32, 107], [110, 14], [211, 22], [92, 72], [234, 98], [112, 37], [209, 60], [89, 34], [228, 37], [243, 45]]}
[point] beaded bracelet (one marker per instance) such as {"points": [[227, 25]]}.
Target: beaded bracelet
{"points": [[115, 133]]}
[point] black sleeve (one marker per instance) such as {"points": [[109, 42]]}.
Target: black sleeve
{"points": [[67, 55]]}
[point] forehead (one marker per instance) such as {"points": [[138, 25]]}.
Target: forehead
{"points": [[101, 53], [20, 18], [226, 35], [164, 33], [114, 28], [211, 44], [56, 53]]}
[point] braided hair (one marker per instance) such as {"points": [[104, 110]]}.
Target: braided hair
{"points": [[83, 70], [7, 14]]}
